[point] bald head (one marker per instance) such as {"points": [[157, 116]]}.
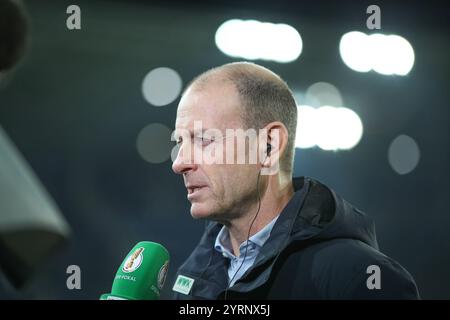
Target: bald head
{"points": [[231, 71], [264, 97]]}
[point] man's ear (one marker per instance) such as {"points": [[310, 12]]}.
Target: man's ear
{"points": [[276, 135]]}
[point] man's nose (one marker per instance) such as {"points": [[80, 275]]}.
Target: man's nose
{"points": [[184, 161]]}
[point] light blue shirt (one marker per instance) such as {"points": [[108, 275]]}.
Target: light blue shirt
{"points": [[253, 245]]}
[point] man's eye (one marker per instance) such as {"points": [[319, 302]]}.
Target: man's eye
{"points": [[202, 141]]}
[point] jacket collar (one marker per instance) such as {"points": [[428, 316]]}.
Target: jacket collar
{"points": [[208, 268]]}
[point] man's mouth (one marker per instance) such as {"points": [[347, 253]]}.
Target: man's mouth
{"points": [[194, 191]]}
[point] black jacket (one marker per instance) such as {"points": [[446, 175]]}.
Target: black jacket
{"points": [[320, 248]]}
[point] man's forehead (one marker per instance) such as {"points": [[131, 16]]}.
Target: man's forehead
{"points": [[215, 107]]}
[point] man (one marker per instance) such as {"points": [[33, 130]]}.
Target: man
{"points": [[304, 241]]}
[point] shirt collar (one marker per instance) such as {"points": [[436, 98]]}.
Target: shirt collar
{"points": [[223, 244]]}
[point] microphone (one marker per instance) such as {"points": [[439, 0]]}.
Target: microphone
{"points": [[142, 274]]}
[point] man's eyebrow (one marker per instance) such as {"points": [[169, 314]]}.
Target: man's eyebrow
{"points": [[191, 132]]}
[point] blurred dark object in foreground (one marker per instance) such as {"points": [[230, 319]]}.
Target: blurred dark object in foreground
{"points": [[13, 33], [31, 226]]}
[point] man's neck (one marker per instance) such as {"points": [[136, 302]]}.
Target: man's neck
{"points": [[273, 200]]}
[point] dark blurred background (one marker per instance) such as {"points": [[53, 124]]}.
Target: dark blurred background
{"points": [[75, 108]]}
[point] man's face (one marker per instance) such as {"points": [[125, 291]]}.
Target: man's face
{"points": [[226, 190]]}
